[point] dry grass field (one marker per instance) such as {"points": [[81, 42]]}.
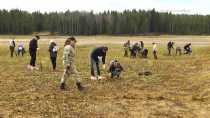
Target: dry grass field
{"points": [[178, 88]]}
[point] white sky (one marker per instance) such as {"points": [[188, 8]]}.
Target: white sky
{"points": [[175, 6]]}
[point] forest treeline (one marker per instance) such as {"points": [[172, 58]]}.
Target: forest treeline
{"points": [[129, 22]]}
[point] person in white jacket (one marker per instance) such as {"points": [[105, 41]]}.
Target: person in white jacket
{"points": [[154, 50]]}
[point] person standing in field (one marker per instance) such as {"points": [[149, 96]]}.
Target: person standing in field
{"points": [[142, 45], [126, 48], [154, 49], [53, 53], [12, 47], [170, 46], [33, 46], [139, 49], [94, 61], [69, 54]]}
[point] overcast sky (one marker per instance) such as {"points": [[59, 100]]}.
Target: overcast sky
{"points": [[175, 6]]}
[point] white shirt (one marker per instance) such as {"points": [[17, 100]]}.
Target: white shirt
{"points": [[11, 43], [154, 47]]}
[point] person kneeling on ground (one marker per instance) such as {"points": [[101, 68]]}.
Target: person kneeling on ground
{"points": [[69, 63], [94, 61], [188, 48], [115, 69]]}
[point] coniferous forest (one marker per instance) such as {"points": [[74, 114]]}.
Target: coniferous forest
{"points": [[129, 22]]}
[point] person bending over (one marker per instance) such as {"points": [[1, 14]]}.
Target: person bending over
{"points": [[94, 61], [170, 46]]}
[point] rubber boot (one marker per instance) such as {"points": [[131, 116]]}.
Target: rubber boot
{"points": [[79, 86], [62, 86]]}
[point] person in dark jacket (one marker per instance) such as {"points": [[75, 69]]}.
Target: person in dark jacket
{"points": [[12, 47], [144, 53], [188, 48], [115, 69], [142, 44], [33, 45], [134, 50], [94, 60], [170, 46], [53, 53]]}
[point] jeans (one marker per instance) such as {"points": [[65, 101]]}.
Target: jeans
{"points": [[115, 73], [33, 58], [95, 70], [53, 61]]}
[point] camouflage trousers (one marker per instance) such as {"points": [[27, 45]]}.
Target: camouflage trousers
{"points": [[68, 71]]}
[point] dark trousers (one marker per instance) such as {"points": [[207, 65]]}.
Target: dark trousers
{"points": [[20, 52], [169, 51], [144, 54], [155, 54], [188, 51], [33, 59], [133, 53], [53, 61], [115, 73], [12, 49], [95, 67]]}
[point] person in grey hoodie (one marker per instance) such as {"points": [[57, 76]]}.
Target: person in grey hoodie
{"points": [[53, 53]]}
